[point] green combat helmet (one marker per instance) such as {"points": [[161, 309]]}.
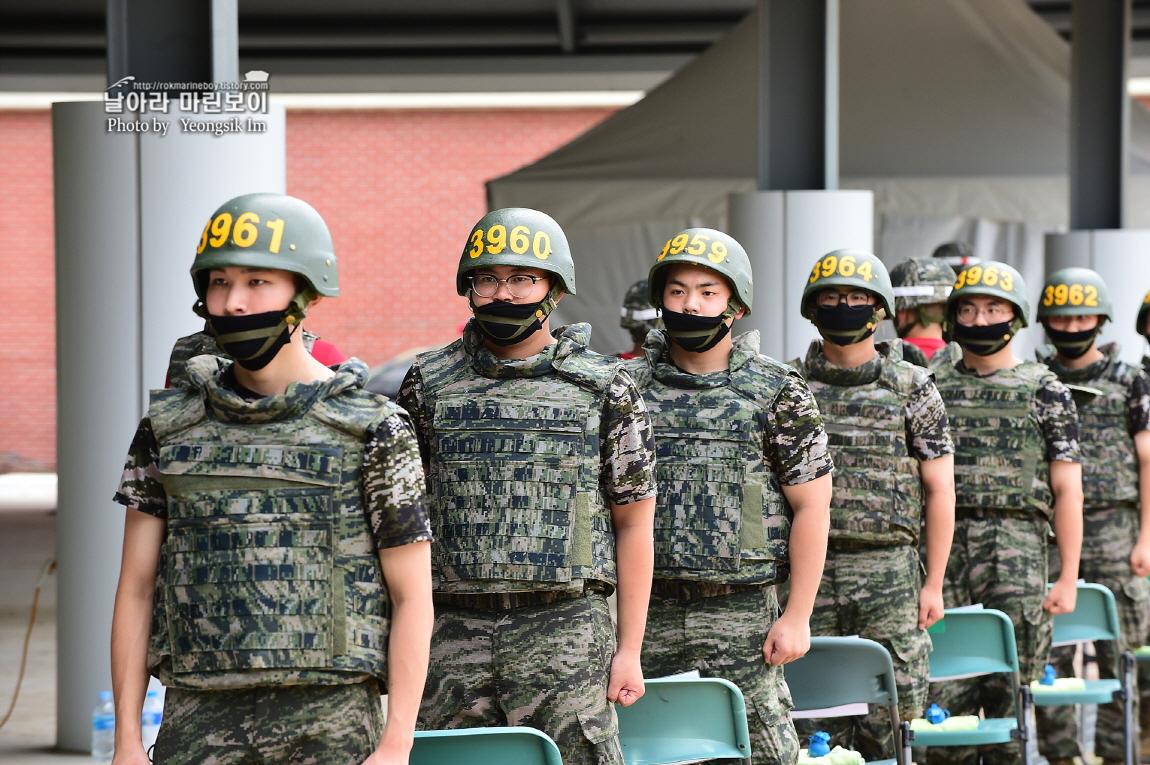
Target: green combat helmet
{"points": [[994, 279], [267, 231], [1074, 292], [517, 236], [711, 249], [850, 268], [637, 315], [922, 284]]}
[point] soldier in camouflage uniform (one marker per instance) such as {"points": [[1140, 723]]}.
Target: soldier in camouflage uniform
{"points": [[893, 457], [638, 317], [743, 475], [1115, 442], [203, 344], [276, 572], [539, 458], [921, 287], [1016, 470]]}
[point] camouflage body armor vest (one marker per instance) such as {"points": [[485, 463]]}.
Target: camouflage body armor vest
{"points": [[268, 564], [877, 489], [517, 502], [720, 513], [203, 344], [1000, 452], [1109, 463]]}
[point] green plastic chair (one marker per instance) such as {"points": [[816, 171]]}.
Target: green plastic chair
{"points": [[838, 671], [484, 746], [683, 720], [969, 644], [1095, 618]]}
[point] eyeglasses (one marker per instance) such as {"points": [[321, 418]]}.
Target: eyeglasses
{"points": [[854, 298], [519, 285], [994, 315]]}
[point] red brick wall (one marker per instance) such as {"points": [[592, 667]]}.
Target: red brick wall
{"points": [[399, 189]]}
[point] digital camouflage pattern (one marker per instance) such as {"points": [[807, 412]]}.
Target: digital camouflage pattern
{"points": [[268, 573], [1108, 537], [720, 512], [545, 667], [922, 282], [541, 445], [873, 593], [882, 418], [637, 315], [338, 725], [997, 559], [946, 357], [1006, 427], [203, 344], [1106, 426], [723, 637]]}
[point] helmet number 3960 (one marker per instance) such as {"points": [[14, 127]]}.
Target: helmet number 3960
{"points": [[521, 239], [245, 233], [847, 266]]}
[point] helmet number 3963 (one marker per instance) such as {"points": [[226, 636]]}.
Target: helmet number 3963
{"points": [[496, 239]]}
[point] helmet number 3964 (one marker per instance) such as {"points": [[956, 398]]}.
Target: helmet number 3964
{"points": [[847, 265], [521, 239], [245, 233]]}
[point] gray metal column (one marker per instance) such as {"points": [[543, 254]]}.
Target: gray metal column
{"points": [[1099, 112]]}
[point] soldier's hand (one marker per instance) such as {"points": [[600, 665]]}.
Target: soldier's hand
{"points": [[131, 756], [626, 684], [929, 606], [1061, 597], [789, 639], [1140, 559]]}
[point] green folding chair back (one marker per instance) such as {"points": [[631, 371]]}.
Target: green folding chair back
{"points": [[1095, 617], [837, 671], [681, 720], [484, 746], [969, 644]]}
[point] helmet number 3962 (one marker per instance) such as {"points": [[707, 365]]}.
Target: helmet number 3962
{"points": [[496, 239], [245, 233]]}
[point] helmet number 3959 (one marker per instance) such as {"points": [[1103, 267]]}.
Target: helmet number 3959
{"points": [[245, 233], [495, 240], [694, 245], [847, 265]]}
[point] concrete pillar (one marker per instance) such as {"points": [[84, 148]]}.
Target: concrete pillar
{"points": [[129, 211], [784, 233]]}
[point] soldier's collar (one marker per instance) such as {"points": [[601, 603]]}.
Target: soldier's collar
{"points": [[226, 405], [1110, 351], [570, 338], [819, 368]]}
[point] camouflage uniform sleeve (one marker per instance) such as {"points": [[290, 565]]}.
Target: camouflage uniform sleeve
{"points": [[411, 398], [140, 485], [1138, 404], [627, 443], [928, 431], [796, 442], [1054, 408], [393, 487]]}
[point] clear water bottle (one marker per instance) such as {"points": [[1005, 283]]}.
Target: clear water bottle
{"points": [[150, 719], [104, 728]]}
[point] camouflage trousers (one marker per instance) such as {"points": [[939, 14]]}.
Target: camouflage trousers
{"points": [[293, 725], [873, 593], [998, 560], [545, 667], [723, 637], [1108, 538]]}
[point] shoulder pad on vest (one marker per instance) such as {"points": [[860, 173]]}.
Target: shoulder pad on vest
{"points": [[174, 409], [589, 370], [439, 364], [902, 376], [1037, 373], [761, 378], [640, 372], [355, 411]]}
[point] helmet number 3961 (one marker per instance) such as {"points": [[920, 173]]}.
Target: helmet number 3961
{"points": [[521, 239], [245, 233]]}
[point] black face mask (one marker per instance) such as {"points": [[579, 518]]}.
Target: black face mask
{"points": [[844, 324], [506, 324], [1072, 345], [695, 333], [253, 340], [984, 340]]}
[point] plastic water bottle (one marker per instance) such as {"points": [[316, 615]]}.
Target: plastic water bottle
{"points": [[104, 728], [150, 719]]}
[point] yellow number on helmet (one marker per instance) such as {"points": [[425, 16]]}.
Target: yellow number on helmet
{"points": [[865, 270], [520, 239], [1091, 296], [477, 243], [698, 244], [678, 243], [221, 227], [847, 265], [541, 245], [663, 254], [990, 276], [1075, 294], [496, 238], [1048, 295], [246, 233], [830, 263], [815, 273], [1006, 281], [973, 275], [718, 252], [1061, 293], [204, 237]]}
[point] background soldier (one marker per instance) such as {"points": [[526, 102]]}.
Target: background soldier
{"points": [[921, 287], [740, 449], [1114, 434], [638, 317], [283, 508], [540, 460], [892, 452], [1015, 468]]}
